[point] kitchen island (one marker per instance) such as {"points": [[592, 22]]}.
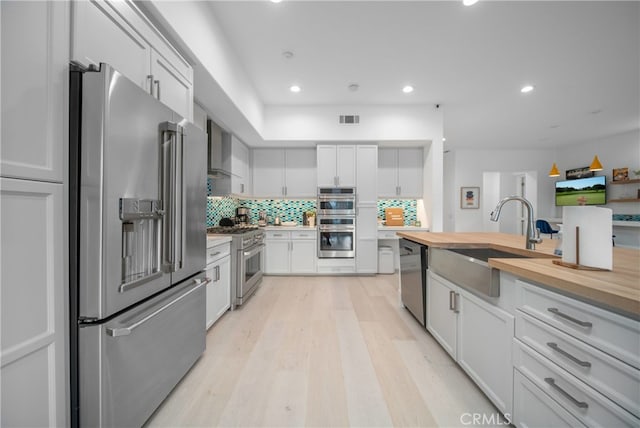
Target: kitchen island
{"points": [[556, 346], [617, 290]]}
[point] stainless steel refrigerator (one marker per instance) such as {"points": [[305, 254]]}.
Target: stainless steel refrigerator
{"points": [[137, 249]]}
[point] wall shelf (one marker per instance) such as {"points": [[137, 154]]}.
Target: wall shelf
{"points": [[637, 180], [624, 200]]}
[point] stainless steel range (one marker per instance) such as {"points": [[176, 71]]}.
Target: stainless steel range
{"points": [[247, 260]]}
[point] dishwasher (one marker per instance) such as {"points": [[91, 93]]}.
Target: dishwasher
{"points": [[413, 278]]}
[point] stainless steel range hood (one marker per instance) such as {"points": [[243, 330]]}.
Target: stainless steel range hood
{"points": [[215, 156]]}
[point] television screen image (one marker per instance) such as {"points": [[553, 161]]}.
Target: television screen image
{"points": [[583, 191]]}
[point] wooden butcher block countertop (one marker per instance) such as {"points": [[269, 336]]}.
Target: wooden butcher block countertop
{"points": [[618, 289]]}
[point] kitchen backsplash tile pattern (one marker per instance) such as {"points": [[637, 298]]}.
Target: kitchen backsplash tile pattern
{"points": [[288, 209], [626, 217], [218, 208], [408, 205]]}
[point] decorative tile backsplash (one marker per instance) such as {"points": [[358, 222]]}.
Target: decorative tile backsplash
{"points": [[218, 208], [626, 217], [408, 205], [288, 209]]}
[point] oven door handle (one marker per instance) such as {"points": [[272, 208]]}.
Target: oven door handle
{"points": [[253, 251], [337, 228]]}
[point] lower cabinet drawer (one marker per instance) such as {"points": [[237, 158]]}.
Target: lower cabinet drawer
{"points": [[612, 333], [533, 408], [583, 402], [218, 252], [616, 380]]}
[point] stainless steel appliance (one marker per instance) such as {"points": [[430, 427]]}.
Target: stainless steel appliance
{"points": [[247, 260], [336, 201], [336, 236], [137, 249], [413, 278], [243, 215]]}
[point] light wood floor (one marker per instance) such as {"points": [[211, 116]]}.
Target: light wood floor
{"points": [[322, 351]]}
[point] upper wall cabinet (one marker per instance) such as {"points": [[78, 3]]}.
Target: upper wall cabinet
{"points": [[284, 173], [117, 33], [336, 165], [400, 173], [236, 160], [34, 69]]}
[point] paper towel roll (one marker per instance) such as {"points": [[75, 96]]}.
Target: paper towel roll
{"points": [[595, 243]]}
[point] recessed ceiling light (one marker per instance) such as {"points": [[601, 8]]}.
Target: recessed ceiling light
{"points": [[526, 88], [407, 89], [353, 87], [287, 54], [294, 88], [276, 1], [444, 139], [467, 2]]}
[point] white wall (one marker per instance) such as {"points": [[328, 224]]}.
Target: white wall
{"points": [[377, 123], [467, 167]]}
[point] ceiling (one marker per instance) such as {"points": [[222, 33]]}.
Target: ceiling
{"points": [[582, 57]]}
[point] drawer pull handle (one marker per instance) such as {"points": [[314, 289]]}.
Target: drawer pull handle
{"points": [[581, 404], [216, 253], [561, 351], [557, 312]]}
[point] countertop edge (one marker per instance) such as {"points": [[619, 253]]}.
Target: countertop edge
{"points": [[591, 287]]}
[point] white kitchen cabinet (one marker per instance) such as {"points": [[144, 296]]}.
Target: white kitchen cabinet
{"points": [[336, 165], [366, 209], [117, 33], [35, 75], [236, 160], [218, 271], [442, 318], [477, 334], [34, 296], [534, 409], [485, 335], [268, 172], [583, 357], [290, 252], [33, 299], [284, 172], [400, 172], [300, 173], [170, 86]]}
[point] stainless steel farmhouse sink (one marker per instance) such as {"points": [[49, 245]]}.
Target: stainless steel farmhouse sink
{"points": [[469, 268]]}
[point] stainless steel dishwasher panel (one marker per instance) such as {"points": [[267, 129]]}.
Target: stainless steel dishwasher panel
{"points": [[412, 290], [128, 365]]}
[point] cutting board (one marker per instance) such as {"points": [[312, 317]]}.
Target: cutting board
{"points": [[394, 216], [595, 241]]}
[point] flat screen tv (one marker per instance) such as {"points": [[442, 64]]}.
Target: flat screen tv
{"points": [[583, 191]]}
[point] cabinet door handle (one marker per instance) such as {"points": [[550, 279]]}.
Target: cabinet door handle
{"points": [[150, 79], [241, 187], [157, 83], [581, 404], [557, 312], [561, 351], [452, 301]]}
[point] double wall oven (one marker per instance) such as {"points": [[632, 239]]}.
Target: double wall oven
{"points": [[336, 222]]}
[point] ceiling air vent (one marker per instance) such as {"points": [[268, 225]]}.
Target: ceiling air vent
{"points": [[350, 119]]}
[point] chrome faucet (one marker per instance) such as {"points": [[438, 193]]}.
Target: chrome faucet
{"points": [[533, 234]]}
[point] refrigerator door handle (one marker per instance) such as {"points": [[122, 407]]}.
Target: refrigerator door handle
{"points": [[125, 331], [171, 182]]}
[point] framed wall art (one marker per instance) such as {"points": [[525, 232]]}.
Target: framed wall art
{"points": [[469, 197], [620, 174]]}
